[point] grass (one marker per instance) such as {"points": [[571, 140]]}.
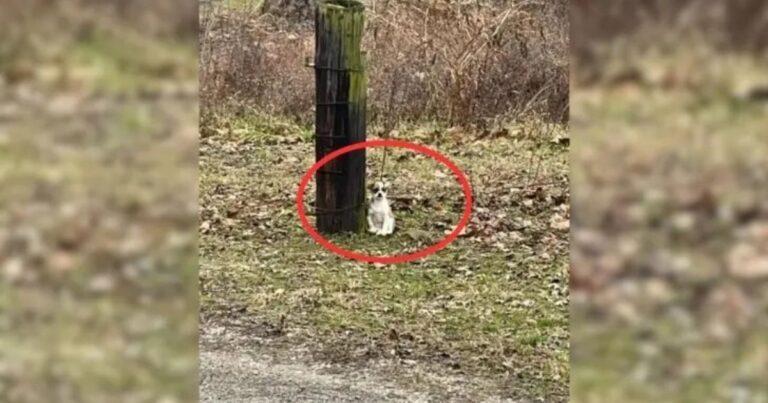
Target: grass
{"points": [[493, 303]]}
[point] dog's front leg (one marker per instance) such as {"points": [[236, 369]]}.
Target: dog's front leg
{"points": [[389, 226], [371, 227], [380, 230]]}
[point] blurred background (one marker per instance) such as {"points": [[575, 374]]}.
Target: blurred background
{"points": [[669, 168], [98, 146]]}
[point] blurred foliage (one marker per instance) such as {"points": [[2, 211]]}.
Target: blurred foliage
{"points": [[669, 273], [97, 203], [601, 29]]}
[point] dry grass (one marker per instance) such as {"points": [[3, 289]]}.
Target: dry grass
{"points": [[455, 63]]}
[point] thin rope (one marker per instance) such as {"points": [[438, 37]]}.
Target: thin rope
{"points": [[321, 211], [388, 126], [383, 162]]}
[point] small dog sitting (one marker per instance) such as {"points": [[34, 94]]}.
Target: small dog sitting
{"points": [[381, 221]]}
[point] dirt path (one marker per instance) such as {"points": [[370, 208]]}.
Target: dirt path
{"points": [[243, 368], [229, 376]]}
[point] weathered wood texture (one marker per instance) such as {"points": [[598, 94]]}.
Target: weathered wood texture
{"points": [[340, 115]]}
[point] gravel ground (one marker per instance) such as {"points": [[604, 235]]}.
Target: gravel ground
{"points": [[239, 367], [228, 376]]}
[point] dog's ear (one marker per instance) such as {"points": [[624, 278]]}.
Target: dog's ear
{"points": [[386, 184]]}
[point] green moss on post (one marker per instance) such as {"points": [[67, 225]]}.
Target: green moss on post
{"points": [[340, 114]]}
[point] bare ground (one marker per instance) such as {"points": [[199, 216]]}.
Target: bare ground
{"points": [[237, 367]]}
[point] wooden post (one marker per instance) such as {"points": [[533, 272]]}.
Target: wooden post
{"points": [[340, 115]]}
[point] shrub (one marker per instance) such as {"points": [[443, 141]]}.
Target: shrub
{"points": [[450, 62]]}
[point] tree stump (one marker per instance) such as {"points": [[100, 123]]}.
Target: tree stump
{"points": [[340, 115]]}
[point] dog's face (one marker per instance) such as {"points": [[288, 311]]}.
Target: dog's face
{"points": [[379, 190]]}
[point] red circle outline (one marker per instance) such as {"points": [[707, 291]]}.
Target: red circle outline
{"points": [[460, 177]]}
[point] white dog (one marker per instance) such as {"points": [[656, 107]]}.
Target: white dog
{"points": [[381, 221]]}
